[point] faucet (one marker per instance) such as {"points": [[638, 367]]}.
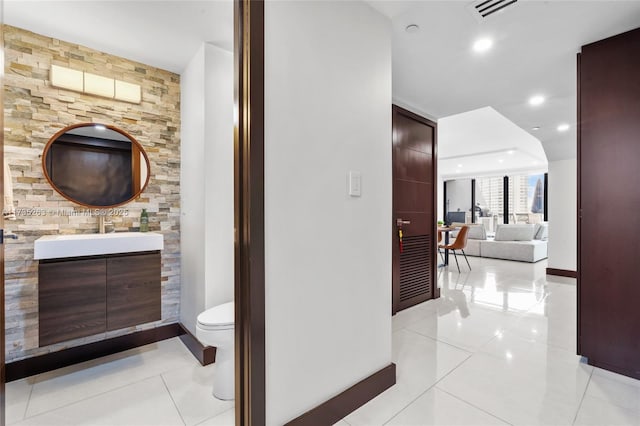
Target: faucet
{"points": [[104, 225]]}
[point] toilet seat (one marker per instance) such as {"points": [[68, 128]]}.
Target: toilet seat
{"points": [[219, 317]]}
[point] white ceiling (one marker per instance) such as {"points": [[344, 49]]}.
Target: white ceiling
{"points": [[164, 34], [436, 72], [482, 143]]}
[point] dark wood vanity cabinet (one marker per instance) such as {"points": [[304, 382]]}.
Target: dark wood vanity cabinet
{"points": [[71, 299], [133, 290], [81, 297]]}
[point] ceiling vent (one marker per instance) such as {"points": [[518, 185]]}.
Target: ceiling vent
{"points": [[483, 9]]}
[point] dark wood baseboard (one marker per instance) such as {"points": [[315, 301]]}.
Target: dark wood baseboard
{"points": [[562, 272], [204, 354], [620, 370], [52, 361], [356, 396]]}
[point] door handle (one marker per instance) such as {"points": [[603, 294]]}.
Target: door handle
{"points": [[400, 222]]}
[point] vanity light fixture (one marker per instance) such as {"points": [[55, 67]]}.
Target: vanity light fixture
{"points": [[563, 127], [536, 100], [482, 45], [94, 84]]}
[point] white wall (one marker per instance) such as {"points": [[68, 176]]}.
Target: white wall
{"points": [[562, 196], [206, 182], [328, 256], [459, 195], [192, 287], [219, 190]]}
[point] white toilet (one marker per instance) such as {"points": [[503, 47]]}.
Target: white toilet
{"points": [[215, 327]]}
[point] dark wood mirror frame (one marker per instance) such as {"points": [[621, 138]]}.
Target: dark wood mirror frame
{"points": [[137, 151]]}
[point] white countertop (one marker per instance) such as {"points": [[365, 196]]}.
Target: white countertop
{"points": [[76, 245]]}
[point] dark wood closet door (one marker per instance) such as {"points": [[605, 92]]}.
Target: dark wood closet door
{"points": [[414, 144], [609, 199]]}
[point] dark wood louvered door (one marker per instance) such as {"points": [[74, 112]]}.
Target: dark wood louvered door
{"points": [[414, 201]]}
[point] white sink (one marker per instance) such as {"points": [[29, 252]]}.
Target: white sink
{"points": [[76, 245]]}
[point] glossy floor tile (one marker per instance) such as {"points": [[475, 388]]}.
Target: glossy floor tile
{"points": [[515, 328], [420, 363], [157, 384], [435, 407], [143, 403], [191, 390], [498, 347], [596, 412]]}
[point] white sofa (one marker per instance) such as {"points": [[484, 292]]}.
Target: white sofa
{"points": [[521, 242]]}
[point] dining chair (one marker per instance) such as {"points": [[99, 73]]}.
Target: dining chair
{"points": [[459, 244]]}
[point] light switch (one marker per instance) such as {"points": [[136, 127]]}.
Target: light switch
{"points": [[355, 184]]}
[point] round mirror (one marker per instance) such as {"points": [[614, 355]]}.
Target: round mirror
{"points": [[96, 165]]}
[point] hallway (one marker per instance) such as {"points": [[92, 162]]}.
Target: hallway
{"points": [[497, 348]]}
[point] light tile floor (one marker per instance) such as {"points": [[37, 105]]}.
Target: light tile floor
{"points": [[497, 348], [157, 384]]}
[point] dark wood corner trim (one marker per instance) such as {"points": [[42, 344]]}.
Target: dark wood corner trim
{"points": [[52, 361], [562, 272], [633, 372], [249, 282], [356, 396], [204, 354]]}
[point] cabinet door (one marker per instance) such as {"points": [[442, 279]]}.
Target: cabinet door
{"points": [[133, 290], [72, 300]]}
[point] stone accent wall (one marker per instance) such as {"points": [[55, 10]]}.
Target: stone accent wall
{"points": [[34, 111]]}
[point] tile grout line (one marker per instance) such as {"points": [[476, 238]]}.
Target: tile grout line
{"points": [[429, 388], [575, 417], [215, 416], [172, 400], [434, 386], [37, 381], [26, 408], [473, 405], [90, 397]]}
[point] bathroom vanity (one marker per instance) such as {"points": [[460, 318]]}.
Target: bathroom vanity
{"points": [[94, 283]]}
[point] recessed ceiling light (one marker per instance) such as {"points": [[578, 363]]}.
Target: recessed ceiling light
{"points": [[536, 128], [536, 100], [563, 127], [412, 28], [501, 161], [459, 165], [510, 152], [482, 45]]}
